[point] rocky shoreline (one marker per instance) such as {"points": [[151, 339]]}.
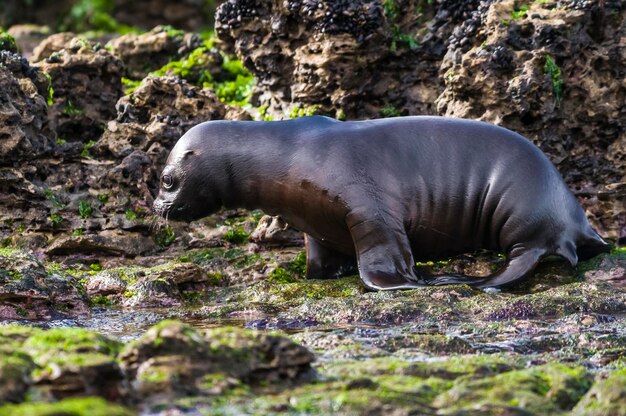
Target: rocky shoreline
{"points": [[105, 309]]}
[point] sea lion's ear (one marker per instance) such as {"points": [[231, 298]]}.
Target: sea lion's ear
{"points": [[188, 153]]}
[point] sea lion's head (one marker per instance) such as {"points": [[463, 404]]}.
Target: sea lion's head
{"points": [[187, 188]]}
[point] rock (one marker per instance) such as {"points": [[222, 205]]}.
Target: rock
{"points": [[75, 361], [110, 242], [147, 52], [174, 358], [606, 397], [105, 283], [273, 231], [148, 292], [307, 54], [24, 132], [155, 115], [86, 79], [15, 370], [545, 389], [28, 291], [53, 43], [83, 406], [611, 269], [7, 42]]}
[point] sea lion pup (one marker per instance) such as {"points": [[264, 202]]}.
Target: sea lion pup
{"points": [[381, 194]]}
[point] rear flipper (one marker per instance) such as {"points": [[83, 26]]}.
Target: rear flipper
{"points": [[519, 266]]}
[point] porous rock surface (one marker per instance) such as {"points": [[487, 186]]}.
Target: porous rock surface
{"points": [[86, 82], [146, 52]]}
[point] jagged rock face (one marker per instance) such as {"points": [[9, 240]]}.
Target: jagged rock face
{"points": [[556, 76], [144, 53], [86, 80], [51, 44], [349, 57], [310, 52], [24, 132]]}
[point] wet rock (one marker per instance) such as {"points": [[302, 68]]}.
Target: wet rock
{"points": [[75, 361], [148, 292], [147, 52], [273, 231], [611, 269], [176, 359], [28, 291], [86, 79], [106, 242], [159, 286], [545, 389], [104, 284], [51, 44], [94, 406], [606, 397]]}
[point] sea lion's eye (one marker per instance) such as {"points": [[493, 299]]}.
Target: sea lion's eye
{"points": [[167, 181]]}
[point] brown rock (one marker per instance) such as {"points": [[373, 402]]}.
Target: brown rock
{"points": [[86, 80], [149, 51], [155, 115], [273, 231], [53, 43]]}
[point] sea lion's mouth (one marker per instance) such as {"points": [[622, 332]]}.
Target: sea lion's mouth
{"points": [[162, 208]]}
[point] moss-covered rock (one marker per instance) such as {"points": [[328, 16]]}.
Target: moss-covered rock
{"points": [[15, 370], [7, 43], [606, 397], [74, 361], [546, 389], [86, 406], [173, 359]]}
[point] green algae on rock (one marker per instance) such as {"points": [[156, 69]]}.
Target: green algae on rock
{"points": [[28, 290], [547, 389], [175, 348], [7, 43], [15, 375], [84, 406], [606, 397]]}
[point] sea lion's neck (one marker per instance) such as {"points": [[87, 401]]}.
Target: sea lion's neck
{"points": [[256, 170]]}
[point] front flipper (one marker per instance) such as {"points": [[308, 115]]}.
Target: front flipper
{"points": [[520, 264], [383, 254], [325, 263]]}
